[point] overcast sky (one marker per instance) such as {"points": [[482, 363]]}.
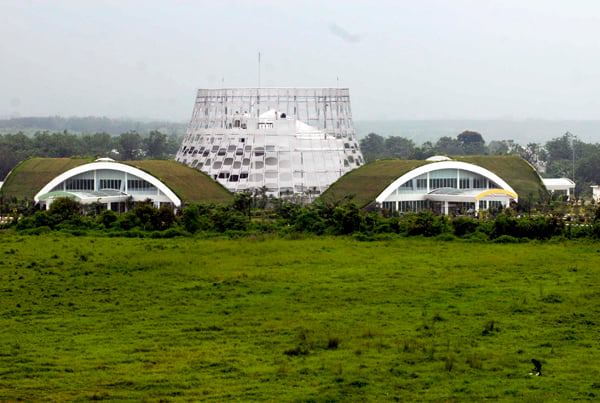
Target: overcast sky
{"points": [[425, 59]]}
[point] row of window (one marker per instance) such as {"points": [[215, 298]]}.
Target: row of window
{"points": [[110, 184], [419, 205], [407, 206], [139, 185], [79, 184], [490, 204], [437, 183], [133, 185]]}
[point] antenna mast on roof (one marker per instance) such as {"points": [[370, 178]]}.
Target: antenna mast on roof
{"points": [[258, 69]]}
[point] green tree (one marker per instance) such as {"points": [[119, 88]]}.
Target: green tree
{"points": [[98, 144], [242, 202], [472, 142], [173, 144], [372, 147], [156, 145], [107, 218], [191, 218], [426, 150], [65, 208], [164, 218], [147, 215], [498, 147], [130, 144], [559, 148], [399, 147], [449, 146]]}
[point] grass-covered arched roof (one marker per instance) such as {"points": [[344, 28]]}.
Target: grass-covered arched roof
{"points": [[190, 185], [364, 184]]}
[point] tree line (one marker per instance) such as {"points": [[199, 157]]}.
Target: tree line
{"points": [[564, 156], [88, 124], [129, 145], [251, 215]]}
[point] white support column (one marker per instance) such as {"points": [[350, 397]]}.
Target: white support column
{"points": [[445, 207]]}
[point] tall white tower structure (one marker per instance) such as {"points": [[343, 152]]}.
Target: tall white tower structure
{"points": [[289, 140]]}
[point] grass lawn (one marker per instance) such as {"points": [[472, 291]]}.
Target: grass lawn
{"points": [[324, 319]]}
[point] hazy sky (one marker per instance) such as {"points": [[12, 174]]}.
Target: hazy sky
{"points": [[424, 59]]}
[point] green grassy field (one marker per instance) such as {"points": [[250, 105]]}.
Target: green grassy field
{"points": [[327, 319]]}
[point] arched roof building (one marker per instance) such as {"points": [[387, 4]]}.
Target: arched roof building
{"points": [[106, 181], [442, 184]]}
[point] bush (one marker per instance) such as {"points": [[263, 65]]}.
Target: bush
{"points": [[506, 239], [464, 225], [127, 221], [426, 223], [191, 218], [65, 208], [169, 233], [108, 218], [37, 231]]}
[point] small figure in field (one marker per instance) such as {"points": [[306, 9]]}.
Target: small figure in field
{"points": [[538, 367]]}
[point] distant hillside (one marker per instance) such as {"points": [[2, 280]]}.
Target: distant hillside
{"points": [[521, 131], [90, 124]]}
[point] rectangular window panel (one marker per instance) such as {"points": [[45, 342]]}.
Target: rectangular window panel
{"points": [[114, 184], [139, 185], [79, 184]]}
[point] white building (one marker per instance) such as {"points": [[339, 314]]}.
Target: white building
{"points": [[289, 140], [447, 186], [565, 185], [596, 193], [107, 182]]}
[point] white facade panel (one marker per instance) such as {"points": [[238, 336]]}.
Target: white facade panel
{"points": [[284, 138]]}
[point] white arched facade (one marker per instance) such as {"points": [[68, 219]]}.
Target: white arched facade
{"points": [[109, 183], [447, 187]]}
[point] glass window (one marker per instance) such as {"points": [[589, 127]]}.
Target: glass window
{"points": [[110, 184], [479, 183], [495, 204], [139, 185], [79, 184]]}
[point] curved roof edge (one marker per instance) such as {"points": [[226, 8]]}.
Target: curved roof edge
{"points": [[363, 184], [189, 184], [434, 166], [110, 166]]}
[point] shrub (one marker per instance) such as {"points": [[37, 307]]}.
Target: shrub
{"points": [[127, 221], [107, 218], [506, 239], [191, 218], [464, 225], [65, 208], [37, 231]]}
